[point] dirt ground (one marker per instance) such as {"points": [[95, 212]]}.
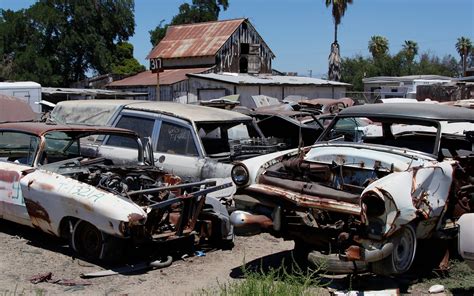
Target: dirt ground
{"points": [[25, 253]]}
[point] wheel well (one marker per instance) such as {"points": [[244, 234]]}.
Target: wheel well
{"points": [[65, 226]]}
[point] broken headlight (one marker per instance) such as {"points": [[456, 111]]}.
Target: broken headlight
{"points": [[240, 174], [373, 204]]}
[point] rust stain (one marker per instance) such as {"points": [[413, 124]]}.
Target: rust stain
{"points": [[340, 159], [88, 207], [353, 253], [134, 218], [37, 211], [45, 187], [9, 176]]}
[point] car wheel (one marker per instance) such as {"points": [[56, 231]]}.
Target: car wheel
{"points": [[402, 255], [93, 244]]}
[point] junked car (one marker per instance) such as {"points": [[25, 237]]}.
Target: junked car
{"points": [[363, 202], [55, 178], [194, 142]]}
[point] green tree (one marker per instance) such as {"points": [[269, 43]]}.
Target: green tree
{"points": [[356, 68], [338, 8], [199, 11], [58, 42], [378, 46], [125, 63], [410, 48], [463, 47]]}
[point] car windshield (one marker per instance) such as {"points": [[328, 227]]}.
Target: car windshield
{"points": [[216, 136], [403, 133], [18, 147]]}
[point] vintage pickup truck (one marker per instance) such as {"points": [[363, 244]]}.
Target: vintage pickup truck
{"points": [[193, 142]]}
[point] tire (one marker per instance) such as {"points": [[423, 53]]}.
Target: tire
{"points": [[93, 244], [402, 256], [331, 263]]}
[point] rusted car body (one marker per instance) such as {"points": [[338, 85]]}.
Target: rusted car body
{"points": [[361, 202], [323, 105], [55, 178]]}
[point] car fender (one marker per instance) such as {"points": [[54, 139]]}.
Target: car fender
{"points": [[420, 192], [49, 197]]}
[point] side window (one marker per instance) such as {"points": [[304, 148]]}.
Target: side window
{"points": [[176, 139], [142, 126]]}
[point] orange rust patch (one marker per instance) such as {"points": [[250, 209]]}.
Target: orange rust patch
{"points": [[134, 217], [9, 176], [353, 253], [45, 187]]}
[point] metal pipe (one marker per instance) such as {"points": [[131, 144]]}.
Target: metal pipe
{"points": [[242, 219]]}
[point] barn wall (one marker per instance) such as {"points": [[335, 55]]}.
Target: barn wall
{"points": [[189, 62], [228, 57], [205, 87]]}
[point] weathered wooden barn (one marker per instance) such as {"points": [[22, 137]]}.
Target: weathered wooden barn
{"points": [[227, 46], [231, 50]]}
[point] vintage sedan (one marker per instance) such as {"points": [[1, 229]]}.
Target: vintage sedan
{"points": [[55, 178], [363, 201]]}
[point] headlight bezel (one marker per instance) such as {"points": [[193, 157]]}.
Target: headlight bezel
{"points": [[243, 177]]}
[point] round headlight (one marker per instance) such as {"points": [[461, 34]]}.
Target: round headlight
{"points": [[240, 174]]}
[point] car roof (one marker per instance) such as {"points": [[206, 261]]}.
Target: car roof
{"points": [[419, 111], [189, 112], [41, 128]]}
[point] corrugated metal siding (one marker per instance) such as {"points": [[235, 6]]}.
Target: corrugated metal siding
{"points": [[201, 39]]}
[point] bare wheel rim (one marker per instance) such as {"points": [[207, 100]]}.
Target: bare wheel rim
{"points": [[404, 251], [88, 240]]}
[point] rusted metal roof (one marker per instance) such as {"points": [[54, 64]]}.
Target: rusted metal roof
{"points": [[245, 79], [41, 128], [195, 40], [167, 77]]}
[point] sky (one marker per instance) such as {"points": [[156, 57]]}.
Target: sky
{"points": [[300, 32]]}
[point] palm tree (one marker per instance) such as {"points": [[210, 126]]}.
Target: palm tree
{"points": [[339, 7], [463, 46], [410, 47], [378, 46]]}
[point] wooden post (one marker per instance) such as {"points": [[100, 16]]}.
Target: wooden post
{"points": [[157, 97]]}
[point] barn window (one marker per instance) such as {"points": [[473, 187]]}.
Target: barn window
{"points": [[244, 48]]}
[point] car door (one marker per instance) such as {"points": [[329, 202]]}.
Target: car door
{"points": [[177, 148], [121, 149]]}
